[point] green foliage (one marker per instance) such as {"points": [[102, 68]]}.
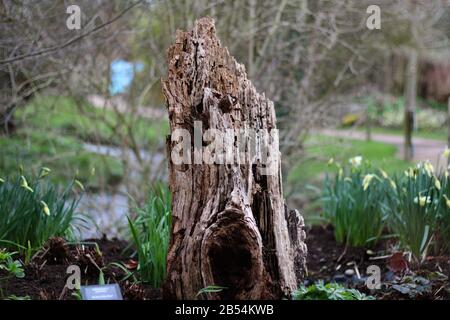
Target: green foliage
{"points": [[70, 117], [150, 232], [352, 203], [444, 217], [65, 155], [321, 148], [412, 286], [32, 210], [210, 289], [392, 116], [17, 298], [414, 207], [11, 266], [329, 291], [350, 119]]}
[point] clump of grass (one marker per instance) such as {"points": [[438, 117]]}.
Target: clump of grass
{"points": [[352, 203], [64, 154], [11, 267], [32, 210], [150, 232]]}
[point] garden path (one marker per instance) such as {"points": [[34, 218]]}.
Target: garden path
{"points": [[424, 149]]}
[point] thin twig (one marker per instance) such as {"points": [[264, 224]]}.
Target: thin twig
{"points": [[69, 42]]}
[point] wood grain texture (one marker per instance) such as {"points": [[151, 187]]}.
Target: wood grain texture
{"points": [[230, 224]]}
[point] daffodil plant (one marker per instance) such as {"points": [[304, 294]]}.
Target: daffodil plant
{"points": [[32, 210], [352, 202], [415, 205], [444, 216]]}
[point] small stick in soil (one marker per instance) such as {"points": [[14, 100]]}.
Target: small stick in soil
{"points": [[381, 257], [357, 271], [63, 293], [343, 253], [439, 290]]}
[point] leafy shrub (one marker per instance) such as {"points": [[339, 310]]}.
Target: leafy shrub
{"points": [[350, 119], [414, 207], [353, 202], [150, 233], [412, 286], [10, 267], [329, 291], [32, 210], [427, 119]]}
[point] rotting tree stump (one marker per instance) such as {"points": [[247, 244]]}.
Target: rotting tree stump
{"points": [[230, 226]]}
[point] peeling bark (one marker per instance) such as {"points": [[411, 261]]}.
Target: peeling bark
{"points": [[230, 224]]}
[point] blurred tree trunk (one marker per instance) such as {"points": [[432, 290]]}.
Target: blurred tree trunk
{"points": [[251, 40], [368, 123], [410, 102], [230, 224]]}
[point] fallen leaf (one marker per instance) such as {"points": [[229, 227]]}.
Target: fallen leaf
{"points": [[131, 264], [397, 263]]}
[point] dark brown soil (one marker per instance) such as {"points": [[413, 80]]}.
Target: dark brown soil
{"points": [[45, 277], [328, 261]]}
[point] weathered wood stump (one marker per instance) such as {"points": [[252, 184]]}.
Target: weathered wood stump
{"points": [[230, 223]]}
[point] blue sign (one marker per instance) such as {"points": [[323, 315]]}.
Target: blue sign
{"points": [[122, 74]]}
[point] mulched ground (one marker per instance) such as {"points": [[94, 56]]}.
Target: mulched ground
{"points": [[45, 278], [330, 261]]}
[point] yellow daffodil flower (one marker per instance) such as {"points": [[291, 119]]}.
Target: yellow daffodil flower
{"points": [[437, 183], [79, 184], [366, 181], [393, 185], [422, 200], [384, 174], [428, 168], [447, 201], [355, 161], [44, 172], [24, 184], [446, 152], [45, 208]]}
